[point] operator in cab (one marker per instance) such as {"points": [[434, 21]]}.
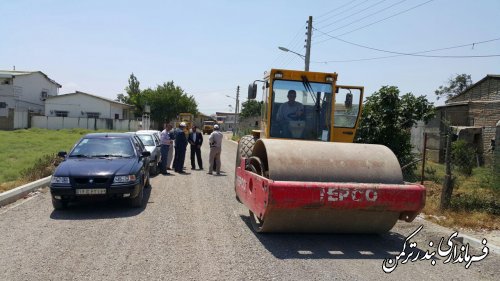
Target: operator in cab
{"points": [[288, 112]]}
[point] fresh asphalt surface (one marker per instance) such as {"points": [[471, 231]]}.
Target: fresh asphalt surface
{"points": [[192, 228]]}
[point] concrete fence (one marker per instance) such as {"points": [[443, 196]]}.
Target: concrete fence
{"points": [[56, 123]]}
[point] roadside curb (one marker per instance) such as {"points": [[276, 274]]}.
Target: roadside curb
{"points": [[15, 194], [466, 239]]}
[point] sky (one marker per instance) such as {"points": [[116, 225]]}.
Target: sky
{"points": [[208, 48]]}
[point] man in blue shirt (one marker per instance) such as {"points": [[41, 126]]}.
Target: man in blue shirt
{"points": [[180, 148]]}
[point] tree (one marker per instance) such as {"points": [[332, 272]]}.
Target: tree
{"points": [[133, 86], [387, 119], [167, 101], [456, 85], [250, 108], [133, 96]]}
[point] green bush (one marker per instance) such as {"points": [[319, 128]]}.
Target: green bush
{"points": [[463, 157]]}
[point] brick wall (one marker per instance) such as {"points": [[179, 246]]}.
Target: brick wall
{"points": [[486, 115], [488, 89]]}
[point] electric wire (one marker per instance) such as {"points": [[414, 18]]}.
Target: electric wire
{"points": [[336, 9], [370, 24], [281, 55], [417, 54], [350, 15]]}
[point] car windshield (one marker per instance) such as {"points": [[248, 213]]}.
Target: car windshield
{"points": [[147, 140], [103, 147], [301, 110]]}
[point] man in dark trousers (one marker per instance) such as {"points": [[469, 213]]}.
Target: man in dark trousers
{"points": [[180, 148], [195, 139]]}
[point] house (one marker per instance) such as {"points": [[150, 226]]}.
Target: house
{"points": [[23, 93], [473, 116], [84, 105], [226, 120]]}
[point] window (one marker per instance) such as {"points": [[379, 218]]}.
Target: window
{"points": [[347, 107], [117, 116], [93, 114], [61, 113], [301, 110], [44, 95], [3, 105]]}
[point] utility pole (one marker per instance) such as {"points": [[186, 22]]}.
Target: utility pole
{"points": [[237, 109], [308, 42]]}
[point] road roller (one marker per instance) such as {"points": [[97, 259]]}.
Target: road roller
{"points": [[301, 171]]}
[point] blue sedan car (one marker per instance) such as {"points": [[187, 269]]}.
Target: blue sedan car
{"points": [[102, 165]]}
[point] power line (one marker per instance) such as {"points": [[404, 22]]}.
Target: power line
{"points": [[365, 17], [338, 8], [417, 54], [370, 24], [283, 55], [357, 12], [294, 43]]}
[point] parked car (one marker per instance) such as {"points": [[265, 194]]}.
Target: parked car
{"points": [[105, 165], [151, 140]]}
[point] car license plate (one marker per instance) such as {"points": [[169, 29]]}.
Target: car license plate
{"points": [[91, 191]]}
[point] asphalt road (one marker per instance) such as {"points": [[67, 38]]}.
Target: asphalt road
{"points": [[192, 228]]}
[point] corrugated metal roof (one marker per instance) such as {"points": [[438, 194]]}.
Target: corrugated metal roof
{"points": [[98, 97], [19, 73]]}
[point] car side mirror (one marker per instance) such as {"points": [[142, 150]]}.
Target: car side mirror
{"points": [[146, 153], [252, 91], [62, 154]]}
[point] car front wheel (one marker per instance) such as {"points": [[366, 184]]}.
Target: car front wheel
{"points": [[136, 202], [59, 204]]}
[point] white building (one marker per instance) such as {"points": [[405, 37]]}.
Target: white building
{"points": [[84, 105], [25, 91], [227, 120]]}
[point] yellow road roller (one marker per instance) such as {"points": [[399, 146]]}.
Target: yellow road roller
{"points": [[301, 172]]}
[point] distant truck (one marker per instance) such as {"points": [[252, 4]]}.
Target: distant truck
{"points": [[186, 118], [208, 127]]}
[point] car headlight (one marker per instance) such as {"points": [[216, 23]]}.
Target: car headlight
{"points": [[59, 180], [123, 179]]}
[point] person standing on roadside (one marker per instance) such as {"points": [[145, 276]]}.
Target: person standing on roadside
{"points": [[215, 141], [170, 159], [180, 148], [166, 142], [195, 139]]}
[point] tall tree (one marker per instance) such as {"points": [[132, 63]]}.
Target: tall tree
{"points": [[133, 86], [251, 108], [387, 119], [134, 95], [456, 85], [168, 100]]}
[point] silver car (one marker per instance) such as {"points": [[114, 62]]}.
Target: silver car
{"points": [[151, 140]]}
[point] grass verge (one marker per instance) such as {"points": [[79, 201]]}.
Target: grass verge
{"points": [[30, 154]]}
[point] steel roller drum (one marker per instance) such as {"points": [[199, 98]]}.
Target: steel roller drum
{"points": [[309, 161]]}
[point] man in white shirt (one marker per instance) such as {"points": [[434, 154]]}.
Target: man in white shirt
{"points": [[215, 141], [166, 142]]}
